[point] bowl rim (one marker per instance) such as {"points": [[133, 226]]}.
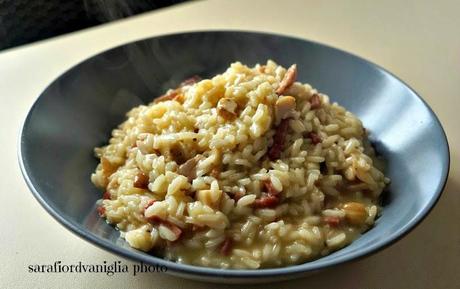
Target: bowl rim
{"points": [[279, 272]]}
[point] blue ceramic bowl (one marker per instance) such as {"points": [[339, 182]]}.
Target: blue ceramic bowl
{"points": [[80, 108]]}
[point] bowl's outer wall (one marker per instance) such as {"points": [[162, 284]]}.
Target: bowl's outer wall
{"points": [[78, 111]]}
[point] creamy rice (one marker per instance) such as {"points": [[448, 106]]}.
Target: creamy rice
{"points": [[249, 169]]}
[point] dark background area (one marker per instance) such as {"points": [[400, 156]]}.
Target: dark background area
{"points": [[25, 21]]}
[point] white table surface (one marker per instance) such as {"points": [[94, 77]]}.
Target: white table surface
{"points": [[417, 40]]}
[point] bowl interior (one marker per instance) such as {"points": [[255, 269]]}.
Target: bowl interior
{"points": [[79, 109]]}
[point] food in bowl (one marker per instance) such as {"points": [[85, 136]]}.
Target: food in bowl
{"points": [[249, 169]]}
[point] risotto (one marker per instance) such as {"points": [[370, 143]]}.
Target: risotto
{"points": [[249, 169]]}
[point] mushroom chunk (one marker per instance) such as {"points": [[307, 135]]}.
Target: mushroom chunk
{"points": [[288, 79], [188, 169], [285, 107], [226, 108]]}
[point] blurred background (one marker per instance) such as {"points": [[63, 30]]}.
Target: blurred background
{"points": [[25, 21]]}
